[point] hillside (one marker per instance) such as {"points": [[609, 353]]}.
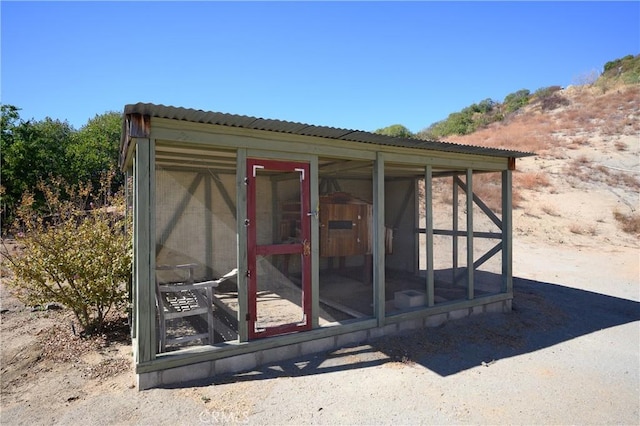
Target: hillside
{"points": [[582, 186], [616, 73]]}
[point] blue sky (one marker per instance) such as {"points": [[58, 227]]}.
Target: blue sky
{"points": [[356, 65]]}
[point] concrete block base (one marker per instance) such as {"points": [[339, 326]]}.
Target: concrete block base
{"points": [[248, 361], [407, 299]]}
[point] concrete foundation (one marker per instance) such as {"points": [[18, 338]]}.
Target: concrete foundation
{"points": [[249, 361]]}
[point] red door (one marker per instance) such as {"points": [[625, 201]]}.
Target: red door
{"points": [[278, 247]]}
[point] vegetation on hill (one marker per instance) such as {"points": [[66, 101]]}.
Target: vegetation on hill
{"points": [[625, 70], [479, 115], [585, 137], [396, 130]]}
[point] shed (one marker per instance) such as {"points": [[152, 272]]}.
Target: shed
{"points": [[259, 240]]}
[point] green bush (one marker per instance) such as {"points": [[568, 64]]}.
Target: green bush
{"points": [[613, 65], [515, 101], [545, 92], [626, 69], [75, 257], [396, 130], [467, 121]]}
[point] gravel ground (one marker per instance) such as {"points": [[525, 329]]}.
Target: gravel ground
{"points": [[567, 354]]}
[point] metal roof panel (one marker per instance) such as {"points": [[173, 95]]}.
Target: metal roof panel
{"points": [[281, 126]]}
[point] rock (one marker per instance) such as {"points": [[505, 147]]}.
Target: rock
{"points": [[52, 307]]}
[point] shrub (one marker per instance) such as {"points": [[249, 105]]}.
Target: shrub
{"points": [[553, 101], [395, 130], [583, 230], [630, 223], [515, 101], [586, 79], [464, 122], [531, 181], [626, 69], [75, 257], [545, 92]]}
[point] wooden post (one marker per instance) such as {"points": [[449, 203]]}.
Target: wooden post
{"points": [[144, 253], [379, 239], [507, 239], [152, 246], [275, 214], [416, 227], [315, 243], [428, 208], [208, 226], [241, 235], [133, 297], [454, 216], [470, 289]]}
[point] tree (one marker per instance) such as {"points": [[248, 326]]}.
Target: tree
{"points": [[10, 116], [395, 130], [94, 149], [486, 105], [50, 149], [8, 121], [31, 151]]}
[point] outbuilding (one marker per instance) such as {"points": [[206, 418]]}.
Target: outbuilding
{"points": [[260, 240]]}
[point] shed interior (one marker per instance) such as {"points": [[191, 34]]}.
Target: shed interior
{"points": [[196, 241]]}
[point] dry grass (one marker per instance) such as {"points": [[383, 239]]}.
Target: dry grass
{"points": [[577, 118], [620, 146], [613, 129], [630, 95], [578, 142], [530, 135], [582, 160], [531, 180], [583, 170], [590, 113], [617, 178], [629, 223], [578, 229], [487, 187], [550, 210]]}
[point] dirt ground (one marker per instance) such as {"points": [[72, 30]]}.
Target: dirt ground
{"points": [[569, 353]]}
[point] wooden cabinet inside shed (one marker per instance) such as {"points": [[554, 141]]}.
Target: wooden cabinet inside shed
{"points": [[345, 226]]}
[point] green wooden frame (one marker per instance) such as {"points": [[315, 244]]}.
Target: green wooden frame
{"points": [[140, 158]]}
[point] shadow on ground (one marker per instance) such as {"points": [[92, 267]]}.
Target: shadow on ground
{"points": [[543, 315]]}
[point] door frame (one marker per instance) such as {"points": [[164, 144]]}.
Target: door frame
{"points": [[303, 248]]}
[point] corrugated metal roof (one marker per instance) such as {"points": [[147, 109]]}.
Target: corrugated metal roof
{"points": [[246, 122]]}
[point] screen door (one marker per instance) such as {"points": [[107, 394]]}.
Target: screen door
{"points": [[278, 247]]}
